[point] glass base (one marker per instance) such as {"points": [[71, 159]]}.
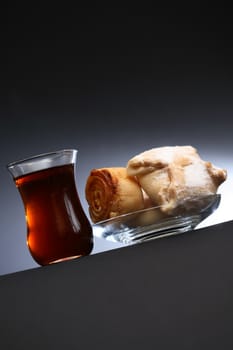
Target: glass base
{"points": [[65, 259]]}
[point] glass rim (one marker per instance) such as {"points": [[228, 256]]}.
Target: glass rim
{"points": [[42, 161]]}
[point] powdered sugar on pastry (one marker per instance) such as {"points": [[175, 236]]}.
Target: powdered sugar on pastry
{"points": [[173, 175]]}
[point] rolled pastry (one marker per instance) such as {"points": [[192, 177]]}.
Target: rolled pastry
{"points": [[173, 176], [111, 192]]}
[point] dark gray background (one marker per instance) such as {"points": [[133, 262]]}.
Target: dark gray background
{"points": [[111, 82]]}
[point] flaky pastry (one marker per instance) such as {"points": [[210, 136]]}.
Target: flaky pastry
{"points": [[111, 192], [173, 176]]}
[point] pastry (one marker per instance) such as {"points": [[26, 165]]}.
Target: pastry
{"points": [[111, 192], [175, 177]]}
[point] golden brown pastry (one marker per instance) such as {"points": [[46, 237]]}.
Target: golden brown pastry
{"points": [[173, 176], [111, 192]]}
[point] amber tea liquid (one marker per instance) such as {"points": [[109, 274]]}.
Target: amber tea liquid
{"points": [[57, 227]]}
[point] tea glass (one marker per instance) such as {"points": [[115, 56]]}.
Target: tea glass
{"points": [[57, 226]]}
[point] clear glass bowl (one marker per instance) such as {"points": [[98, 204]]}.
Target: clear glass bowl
{"points": [[147, 224]]}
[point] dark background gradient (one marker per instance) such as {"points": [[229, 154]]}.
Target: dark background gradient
{"points": [[111, 82]]}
